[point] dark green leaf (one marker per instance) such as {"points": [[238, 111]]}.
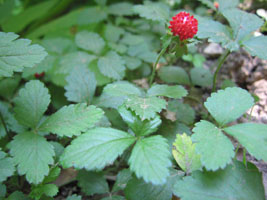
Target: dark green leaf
{"points": [[176, 91]]}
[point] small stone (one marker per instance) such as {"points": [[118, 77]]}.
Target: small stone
{"points": [[213, 50]]}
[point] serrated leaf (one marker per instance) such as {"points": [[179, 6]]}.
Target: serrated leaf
{"points": [[251, 136], [72, 60], [81, 85], [242, 23], [92, 182], [72, 120], [113, 33], [185, 154], [235, 182], [96, 148], [175, 91], [229, 104], [173, 74], [121, 180], [7, 166], [15, 54], [17, 195], [139, 127], [257, 46], [201, 77], [39, 191], [112, 65], [214, 148], [33, 155], [145, 108], [58, 45], [132, 63], [137, 189], [121, 9], [89, 41], [31, 103], [150, 159], [153, 11], [53, 174], [93, 14], [121, 88]]}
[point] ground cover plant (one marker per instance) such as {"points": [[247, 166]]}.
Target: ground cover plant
{"points": [[111, 100]]}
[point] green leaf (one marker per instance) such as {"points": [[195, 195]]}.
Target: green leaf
{"points": [[2, 191], [215, 149], [58, 45], [226, 4], [15, 54], [121, 9], [89, 41], [96, 148], [229, 104], [7, 167], [113, 33], [33, 155], [201, 77], [72, 120], [251, 136], [132, 63], [112, 65], [92, 182], [137, 189], [242, 23], [139, 127], [17, 195], [74, 197], [81, 85], [185, 154], [150, 159], [93, 14], [173, 74], [153, 11], [257, 46], [39, 191], [8, 86], [121, 88], [146, 108], [72, 60], [6, 8], [31, 103], [176, 91], [121, 180], [235, 182]]}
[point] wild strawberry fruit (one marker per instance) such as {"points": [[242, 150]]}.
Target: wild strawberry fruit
{"points": [[184, 25], [216, 4], [37, 75]]}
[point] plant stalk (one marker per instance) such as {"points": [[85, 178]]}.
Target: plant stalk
{"points": [[221, 61]]}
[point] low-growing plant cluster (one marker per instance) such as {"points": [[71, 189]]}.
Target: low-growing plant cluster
{"points": [[93, 97]]}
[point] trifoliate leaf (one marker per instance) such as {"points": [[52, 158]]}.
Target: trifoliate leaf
{"points": [[39, 191], [229, 104], [81, 85], [15, 54], [251, 136], [89, 41], [96, 148], [93, 14], [137, 189], [184, 153], [242, 23], [175, 91], [201, 77], [121, 88], [31, 103], [121, 9], [257, 46], [121, 180], [235, 182], [145, 108], [72, 60], [214, 148], [112, 65], [33, 155], [139, 127], [150, 159], [172, 74], [92, 182], [7, 167], [72, 120], [153, 11]]}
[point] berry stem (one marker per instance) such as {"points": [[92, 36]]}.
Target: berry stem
{"points": [[221, 61]]}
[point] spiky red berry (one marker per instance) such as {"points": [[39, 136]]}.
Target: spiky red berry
{"points": [[37, 75], [184, 25]]}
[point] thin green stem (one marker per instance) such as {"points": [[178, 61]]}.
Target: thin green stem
{"points": [[221, 61], [3, 122], [155, 66]]}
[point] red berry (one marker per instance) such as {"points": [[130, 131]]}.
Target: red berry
{"points": [[216, 4], [37, 75], [184, 25]]}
